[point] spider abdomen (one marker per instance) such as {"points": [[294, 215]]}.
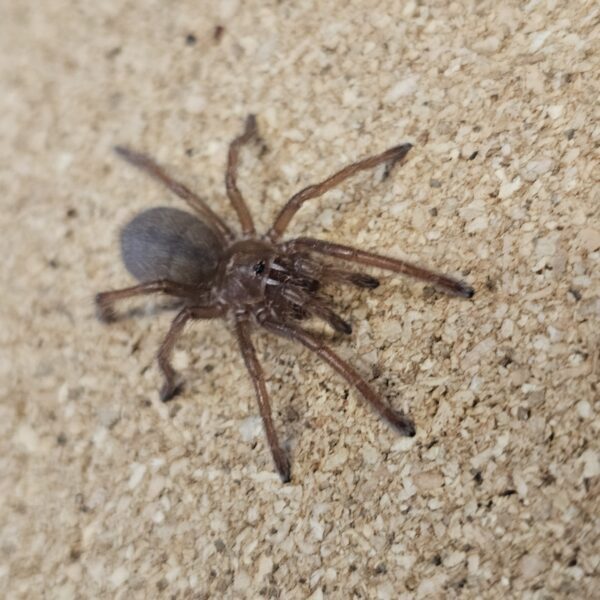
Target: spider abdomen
{"points": [[167, 243]]}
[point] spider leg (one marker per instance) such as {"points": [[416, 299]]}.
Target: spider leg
{"points": [[258, 379], [392, 155], [233, 192], [400, 422], [317, 308], [361, 280], [149, 166], [105, 300], [313, 270], [171, 387], [322, 311], [444, 282]]}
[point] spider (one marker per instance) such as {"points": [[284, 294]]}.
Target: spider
{"points": [[253, 280]]}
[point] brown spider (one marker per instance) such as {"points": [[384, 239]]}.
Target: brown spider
{"points": [[252, 279]]}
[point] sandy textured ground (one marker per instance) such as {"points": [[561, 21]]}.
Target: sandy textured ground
{"points": [[106, 493]]}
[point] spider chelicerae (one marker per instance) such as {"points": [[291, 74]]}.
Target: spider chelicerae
{"points": [[253, 280]]}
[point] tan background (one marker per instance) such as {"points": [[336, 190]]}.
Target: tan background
{"points": [[106, 493]]}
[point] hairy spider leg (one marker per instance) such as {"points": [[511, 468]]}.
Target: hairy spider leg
{"points": [[233, 192], [280, 458], [171, 386], [317, 308], [444, 282], [392, 155], [361, 280], [149, 166], [401, 423], [105, 300], [317, 272]]}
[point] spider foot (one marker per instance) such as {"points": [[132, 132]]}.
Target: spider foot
{"points": [[170, 389], [364, 281], [252, 134], [251, 127], [104, 310], [401, 423], [282, 463], [397, 154], [466, 290], [340, 325]]}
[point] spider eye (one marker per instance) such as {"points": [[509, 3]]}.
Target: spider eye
{"points": [[259, 267]]}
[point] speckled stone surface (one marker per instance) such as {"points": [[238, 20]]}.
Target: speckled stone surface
{"points": [[106, 493]]}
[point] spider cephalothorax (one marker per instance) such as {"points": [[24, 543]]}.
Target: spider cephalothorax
{"points": [[254, 280]]}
